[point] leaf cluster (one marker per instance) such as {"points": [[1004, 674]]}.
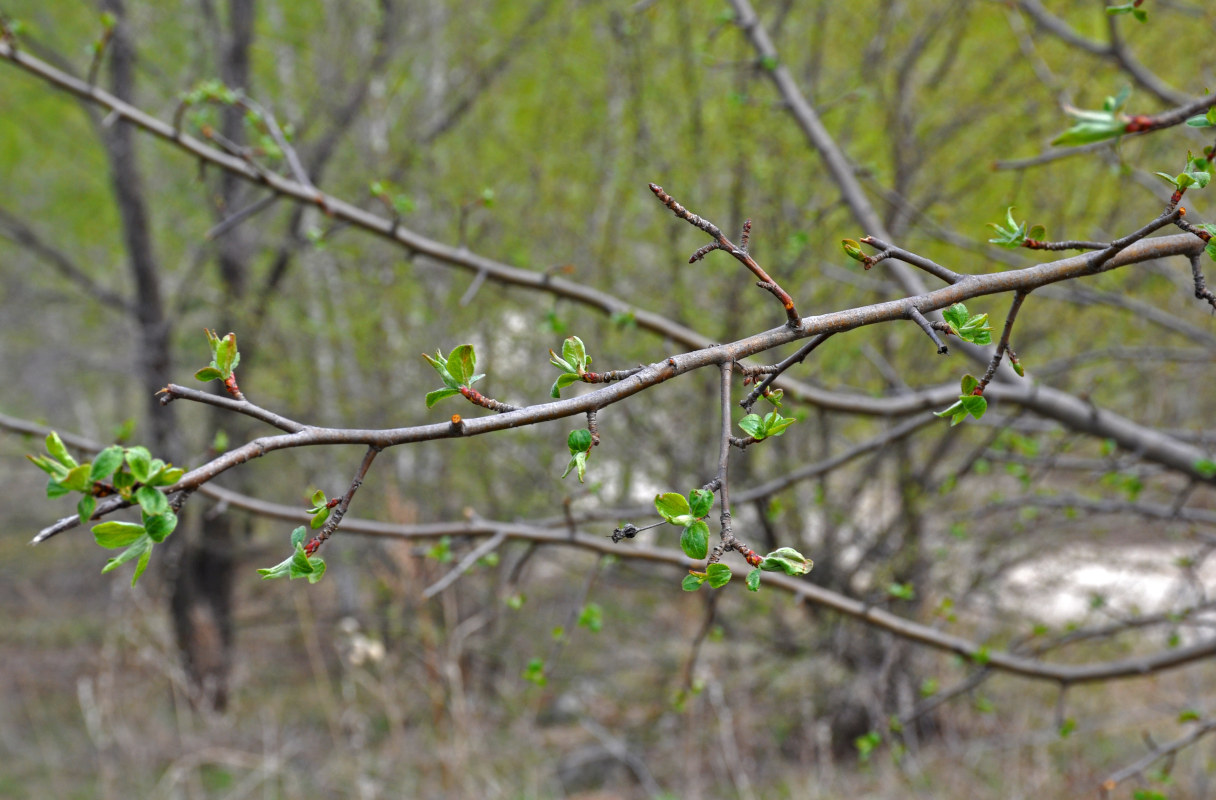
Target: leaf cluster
{"points": [[456, 371], [299, 564]]}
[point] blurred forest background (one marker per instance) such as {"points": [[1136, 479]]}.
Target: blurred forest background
{"points": [[526, 131]]}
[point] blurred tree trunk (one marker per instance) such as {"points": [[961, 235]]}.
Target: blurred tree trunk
{"points": [[202, 574]]}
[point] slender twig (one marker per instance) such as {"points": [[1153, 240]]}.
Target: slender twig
{"points": [[230, 222], [1003, 344], [1202, 729], [1070, 244], [775, 371], [919, 318], [174, 392], [471, 558], [891, 251], [740, 253], [339, 511]]}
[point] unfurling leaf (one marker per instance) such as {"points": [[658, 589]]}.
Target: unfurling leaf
{"points": [[692, 581], [787, 560]]}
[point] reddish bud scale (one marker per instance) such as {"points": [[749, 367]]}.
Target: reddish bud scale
{"points": [[1139, 123], [1177, 197], [753, 558], [313, 546]]}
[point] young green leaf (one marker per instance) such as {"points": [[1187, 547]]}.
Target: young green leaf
{"points": [[753, 426], [59, 451], [692, 581], [673, 507], [787, 560], [563, 380], [160, 525], [106, 462], [434, 397], [718, 575], [112, 535], [700, 502], [151, 501], [85, 508], [753, 580], [574, 352], [694, 541]]}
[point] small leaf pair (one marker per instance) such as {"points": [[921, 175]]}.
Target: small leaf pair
{"points": [[1197, 173], [456, 371], [224, 358], [320, 509], [138, 539], [771, 424], [1094, 126], [572, 362], [299, 564], [1013, 233], [969, 328], [967, 403], [783, 559], [689, 513], [579, 442]]}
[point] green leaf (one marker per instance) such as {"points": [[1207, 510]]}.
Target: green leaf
{"points": [[574, 352], [1068, 727], [975, 405], [753, 426], [787, 560], [692, 581], [1086, 130], [440, 365], [955, 315], [141, 545], [563, 380], [672, 506], [579, 441], [718, 575], [694, 541], [151, 501], [226, 355], [434, 397], [56, 470], [700, 502], [168, 477], [140, 462], [1189, 715], [591, 618], [105, 463], [85, 508], [77, 479], [462, 363], [208, 374], [901, 591], [578, 461], [775, 424], [968, 384], [853, 250], [160, 525], [318, 519], [59, 451], [112, 535], [141, 565], [535, 672], [1205, 467], [298, 535], [753, 580], [56, 489]]}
